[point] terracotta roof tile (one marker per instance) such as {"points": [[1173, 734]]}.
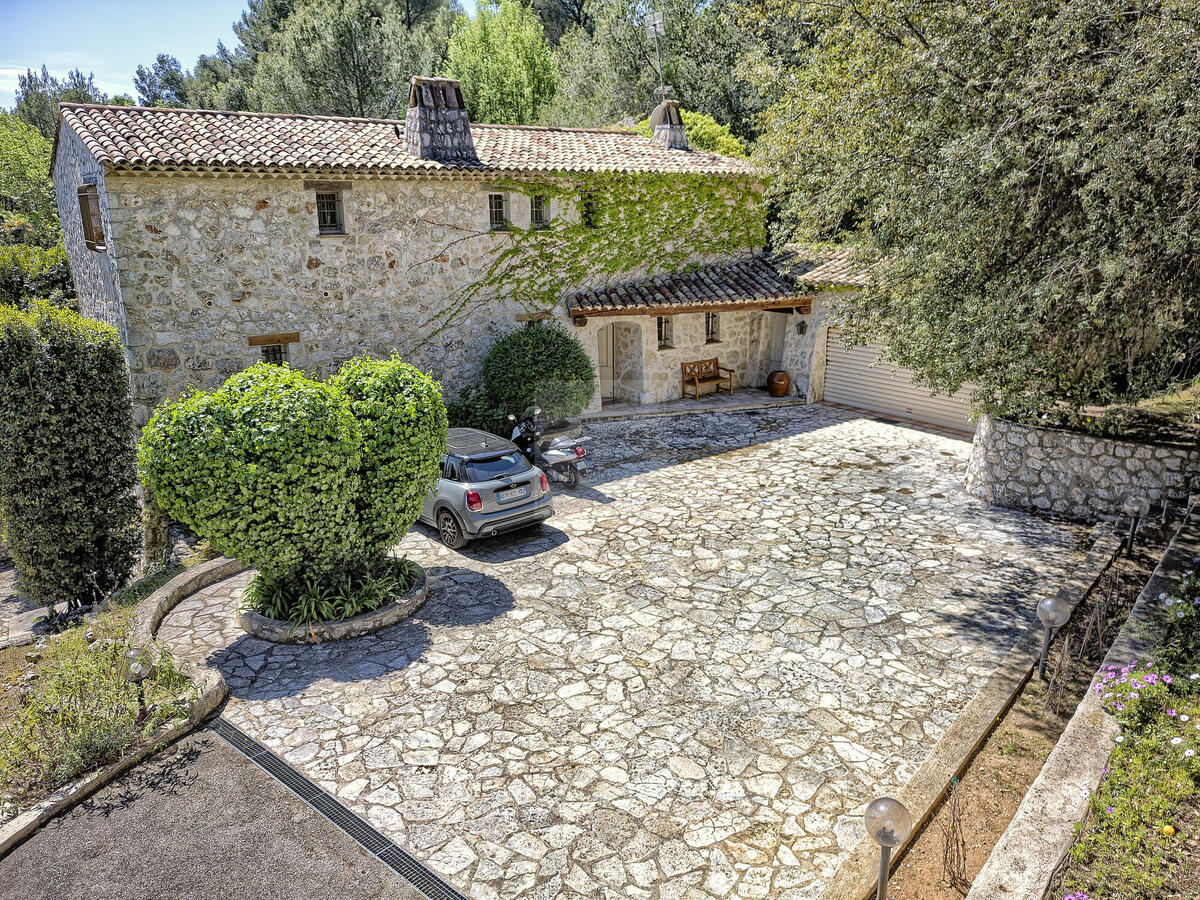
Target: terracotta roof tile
{"points": [[743, 283], [140, 138]]}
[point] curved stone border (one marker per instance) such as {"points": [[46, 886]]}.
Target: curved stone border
{"points": [[858, 875], [1042, 831], [210, 691], [1071, 474], [364, 623]]}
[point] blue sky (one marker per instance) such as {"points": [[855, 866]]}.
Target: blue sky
{"points": [[107, 37]]}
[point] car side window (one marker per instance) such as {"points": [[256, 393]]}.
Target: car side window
{"points": [[449, 469]]}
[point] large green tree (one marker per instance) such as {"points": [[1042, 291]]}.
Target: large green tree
{"points": [[164, 83], [1020, 179], [610, 68], [39, 93], [504, 64], [343, 58], [28, 212]]}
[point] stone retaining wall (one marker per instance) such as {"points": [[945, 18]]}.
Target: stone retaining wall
{"points": [[1074, 475]]}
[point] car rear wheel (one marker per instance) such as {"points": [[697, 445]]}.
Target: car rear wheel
{"points": [[450, 531]]}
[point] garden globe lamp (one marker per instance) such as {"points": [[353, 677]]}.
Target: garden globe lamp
{"points": [[1053, 613], [889, 825], [136, 667], [1137, 508]]}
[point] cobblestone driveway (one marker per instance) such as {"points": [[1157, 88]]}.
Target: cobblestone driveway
{"points": [[744, 628]]}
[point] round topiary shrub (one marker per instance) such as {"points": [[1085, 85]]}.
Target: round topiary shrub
{"points": [[311, 483], [265, 469], [539, 365], [67, 472], [403, 421]]}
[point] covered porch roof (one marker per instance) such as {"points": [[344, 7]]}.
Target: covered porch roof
{"points": [[759, 281]]}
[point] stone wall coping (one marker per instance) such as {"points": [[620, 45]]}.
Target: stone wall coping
{"points": [[1029, 852], [210, 691], [281, 632], [857, 876], [1114, 439]]}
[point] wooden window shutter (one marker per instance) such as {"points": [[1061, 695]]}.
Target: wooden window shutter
{"points": [[89, 210]]}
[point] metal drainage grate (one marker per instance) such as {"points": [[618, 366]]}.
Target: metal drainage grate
{"points": [[392, 856]]}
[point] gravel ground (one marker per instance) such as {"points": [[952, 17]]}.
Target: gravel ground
{"points": [[198, 821]]}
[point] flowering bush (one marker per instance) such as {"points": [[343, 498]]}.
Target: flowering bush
{"points": [[1178, 633], [1134, 694]]}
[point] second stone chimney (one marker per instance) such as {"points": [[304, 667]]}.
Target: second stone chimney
{"points": [[667, 124], [436, 124]]}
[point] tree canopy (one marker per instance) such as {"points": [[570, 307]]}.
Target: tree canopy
{"points": [[341, 58], [39, 93], [1020, 178], [28, 212], [503, 63]]}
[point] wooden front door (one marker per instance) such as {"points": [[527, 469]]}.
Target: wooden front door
{"points": [[604, 361]]}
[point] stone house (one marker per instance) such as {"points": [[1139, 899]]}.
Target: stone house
{"points": [[214, 239]]}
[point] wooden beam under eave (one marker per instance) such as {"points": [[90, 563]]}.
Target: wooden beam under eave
{"points": [[802, 305]]}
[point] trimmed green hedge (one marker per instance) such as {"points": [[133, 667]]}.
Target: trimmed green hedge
{"points": [[403, 422], [542, 365], [265, 468], [67, 473], [310, 482]]}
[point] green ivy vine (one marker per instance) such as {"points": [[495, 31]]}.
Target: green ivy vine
{"points": [[651, 223]]}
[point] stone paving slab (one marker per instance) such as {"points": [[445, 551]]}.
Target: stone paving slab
{"points": [[686, 685]]}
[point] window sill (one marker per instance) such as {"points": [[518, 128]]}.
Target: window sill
{"points": [[713, 341], [333, 234], [666, 346]]}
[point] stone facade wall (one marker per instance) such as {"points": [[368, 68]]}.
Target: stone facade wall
{"points": [[207, 263], [804, 354], [1074, 475], [93, 271]]}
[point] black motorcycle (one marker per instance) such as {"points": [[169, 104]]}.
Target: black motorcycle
{"points": [[560, 457]]}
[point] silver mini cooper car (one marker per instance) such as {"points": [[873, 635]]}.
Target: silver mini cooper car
{"points": [[487, 487]]}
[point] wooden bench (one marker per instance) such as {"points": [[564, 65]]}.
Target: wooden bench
{"points": [[704, 372]]}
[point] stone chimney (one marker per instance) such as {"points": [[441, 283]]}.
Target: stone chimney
{"points": [[436, 124], [668, 126]]}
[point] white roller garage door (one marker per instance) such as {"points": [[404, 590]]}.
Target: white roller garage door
{"points": [[850, 379]]}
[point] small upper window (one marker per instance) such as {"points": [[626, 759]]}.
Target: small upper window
{"points": [[330, 219], [498, 212], [589, 211], [712, 327], [538, 217], [664, 332], [93, 222], [275, 354]]}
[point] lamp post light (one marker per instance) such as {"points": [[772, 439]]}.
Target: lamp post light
{"points": [[1137, 508], [1053, 613], [889, 824], [136, 666]]}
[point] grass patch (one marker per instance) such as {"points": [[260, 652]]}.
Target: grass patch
{"points": [[1138, 841], [78, 711]]}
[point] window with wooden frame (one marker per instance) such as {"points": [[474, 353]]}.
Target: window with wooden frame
{"points": [[498, 212], [93, 221], [712, 328], [665, 332], [539, 213], [274, 347], [331, 218]]}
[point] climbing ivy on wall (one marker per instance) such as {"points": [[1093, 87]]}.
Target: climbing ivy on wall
{"points": [[641, 223]]}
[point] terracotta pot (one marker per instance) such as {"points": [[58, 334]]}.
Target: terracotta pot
{"points": [[779, 383]]}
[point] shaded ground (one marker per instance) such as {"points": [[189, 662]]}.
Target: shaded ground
{"points": [[999, 776], [741, 629], [198, 821]]}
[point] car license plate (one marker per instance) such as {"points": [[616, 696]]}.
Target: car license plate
{"points": [[513, 494]]}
